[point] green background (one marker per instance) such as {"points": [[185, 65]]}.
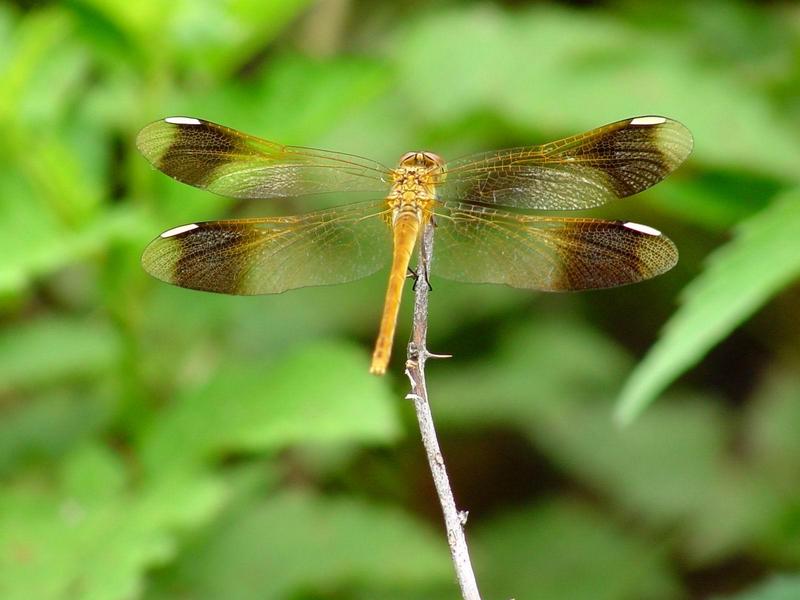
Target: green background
{"points": [[162, 443]]}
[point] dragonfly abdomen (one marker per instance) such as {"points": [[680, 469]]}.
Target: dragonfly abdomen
{"points": [[406, 226]]}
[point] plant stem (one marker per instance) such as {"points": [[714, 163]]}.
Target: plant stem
{"points": [[454, 519]]}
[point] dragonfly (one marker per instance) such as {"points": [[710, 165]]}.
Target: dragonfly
{"points": [[480, 206]]}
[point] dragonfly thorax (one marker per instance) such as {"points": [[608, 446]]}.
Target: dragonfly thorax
{"points": [[414, 180]]}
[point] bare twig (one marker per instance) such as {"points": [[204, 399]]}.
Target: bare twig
{"points": [[454, 519]]}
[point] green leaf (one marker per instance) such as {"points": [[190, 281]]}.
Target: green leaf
{"points": [[222, 38], [294, 542], [45, 426], [531, 350], [37, 242], [773, 421], [781, 587], [740, 277], [212, 42], [716, 200], [384, 592], [332, 90], [564, 550], [562, 70], [322, 393], [664, 468], [736, 507], [35, 41], [52, 349], [89, 535], [671, 469], [770, 434]]}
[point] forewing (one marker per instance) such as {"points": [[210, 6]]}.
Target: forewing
{"points": [[586, 170], [271, 255], [232, 163], [476, 244]]}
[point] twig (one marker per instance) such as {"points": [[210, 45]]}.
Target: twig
{"points": [[454, 519]]}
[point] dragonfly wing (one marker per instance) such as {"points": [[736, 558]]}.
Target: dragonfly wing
{"points": [[586, 170], [234, 164], [477, 244], [272, 255]]}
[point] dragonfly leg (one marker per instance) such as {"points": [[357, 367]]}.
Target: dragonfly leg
{"points": [[415, 275], [428, 281], [412, 274]]}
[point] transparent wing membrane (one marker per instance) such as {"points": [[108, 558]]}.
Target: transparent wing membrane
{"points": [[234, 164], [579, 172], [474, 241], [271, 255], [478, 244]]}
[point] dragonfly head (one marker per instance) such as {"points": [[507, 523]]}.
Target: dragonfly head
{"points": [[426, 160]]}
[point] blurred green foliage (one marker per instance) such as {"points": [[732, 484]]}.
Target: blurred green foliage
{"points": [[162, 443]]}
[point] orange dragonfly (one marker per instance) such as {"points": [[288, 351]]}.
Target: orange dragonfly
{"points": [[477, 240]]}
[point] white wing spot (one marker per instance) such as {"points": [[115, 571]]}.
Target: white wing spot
{"points": [[648, 121], [638, 227], [179, 230], [183, 121]]}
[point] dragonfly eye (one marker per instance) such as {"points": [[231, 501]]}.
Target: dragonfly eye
{"points": [[410, 159], [428, 160], [433, 160]]}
